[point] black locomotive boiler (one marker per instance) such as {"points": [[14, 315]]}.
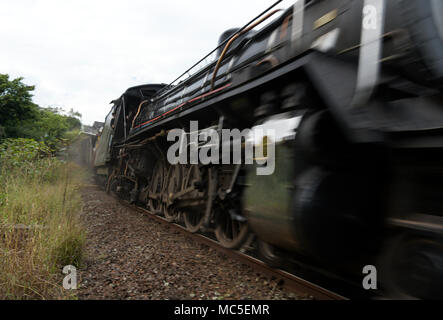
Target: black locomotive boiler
{"points": [[354, 90]]}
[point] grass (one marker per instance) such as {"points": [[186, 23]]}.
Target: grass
{"points": [[40, 228]]}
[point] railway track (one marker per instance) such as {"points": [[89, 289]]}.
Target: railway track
{"points": [[288, 280]]}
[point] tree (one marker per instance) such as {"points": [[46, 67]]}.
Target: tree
{"points": [[15, 105], [73, 119], [50, 126], [21, 118]]}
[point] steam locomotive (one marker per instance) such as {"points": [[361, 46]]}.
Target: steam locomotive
{"points": [[353, 89]]}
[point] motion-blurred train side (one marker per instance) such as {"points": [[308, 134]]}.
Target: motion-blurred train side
{"points": [[358, 172]]}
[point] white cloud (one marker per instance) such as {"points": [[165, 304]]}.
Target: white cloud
{"points": [[82, 54]]}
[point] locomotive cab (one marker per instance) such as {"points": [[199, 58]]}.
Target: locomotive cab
{"points": [[128, 108]]}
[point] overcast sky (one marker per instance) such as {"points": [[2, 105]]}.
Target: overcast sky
{"points": [[82, 54]]}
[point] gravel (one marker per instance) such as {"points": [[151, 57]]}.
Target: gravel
{"points": [[130, 256]]}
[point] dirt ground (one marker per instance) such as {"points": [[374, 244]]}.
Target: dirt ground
{"points": [[131, 256]]}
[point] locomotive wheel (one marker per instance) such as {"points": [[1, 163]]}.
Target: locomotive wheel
{"points": [[231, 234], [322, 142], [174, 185], [193, 219], [412, 267], [112, 189], [155, 205], [268, 254]]}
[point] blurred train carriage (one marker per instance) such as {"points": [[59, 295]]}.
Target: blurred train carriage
{"points": [[358, 177], [82, 149]]}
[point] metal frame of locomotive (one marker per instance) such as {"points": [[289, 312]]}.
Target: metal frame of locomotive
{"points": [[359, 184]]}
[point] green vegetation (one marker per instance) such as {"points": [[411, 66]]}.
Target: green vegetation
{"points": [[22, 118], [40, 229], [40, 204]]}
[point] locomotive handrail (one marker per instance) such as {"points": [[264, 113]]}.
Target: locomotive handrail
{"points": [[233, 38], [138, 112]]}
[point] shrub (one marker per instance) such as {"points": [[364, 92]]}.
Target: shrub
{"points": [[28, 159], [21, 151]]}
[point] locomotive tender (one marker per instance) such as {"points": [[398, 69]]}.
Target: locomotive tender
{"points": [[358, 172]]}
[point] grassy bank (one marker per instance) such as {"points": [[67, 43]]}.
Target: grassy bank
{"points": [[40, 227]]}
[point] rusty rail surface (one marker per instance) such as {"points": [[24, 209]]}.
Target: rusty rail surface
{"points": [[288, 280]]}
